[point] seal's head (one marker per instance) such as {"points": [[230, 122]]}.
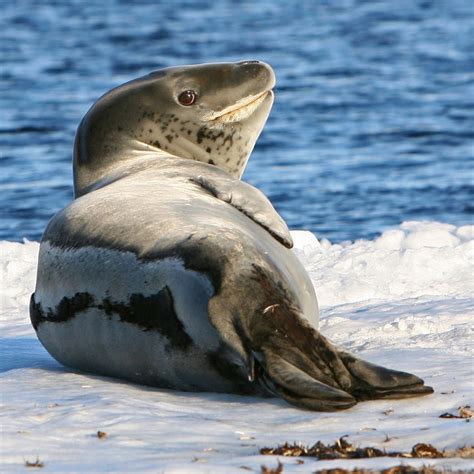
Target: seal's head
{"points": [[212, 113]]}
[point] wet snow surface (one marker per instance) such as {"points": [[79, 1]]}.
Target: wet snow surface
{"points": [[403, 300]]}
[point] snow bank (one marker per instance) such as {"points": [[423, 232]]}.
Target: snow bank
{"points": [[403, 300], [417, 259]]}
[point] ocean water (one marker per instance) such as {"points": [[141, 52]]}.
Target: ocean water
{"points": [[372, 125]]}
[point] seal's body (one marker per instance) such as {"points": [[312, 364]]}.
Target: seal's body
{"points": [[168, 270], [136, 264]]}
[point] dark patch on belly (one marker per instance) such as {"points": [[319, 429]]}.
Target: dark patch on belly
{"points": [[155, 312], [151, 313], [65, 310]]}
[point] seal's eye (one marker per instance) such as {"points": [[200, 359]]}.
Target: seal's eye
{"points": [[187, 97]]}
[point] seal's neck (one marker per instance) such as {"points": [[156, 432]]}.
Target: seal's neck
{"points": [[227, 148], [131, 158]]}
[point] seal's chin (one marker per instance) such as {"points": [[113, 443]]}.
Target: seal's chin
{"points": [[239, 111]]}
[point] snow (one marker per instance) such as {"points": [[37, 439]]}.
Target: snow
{"points": [[404, 300]]}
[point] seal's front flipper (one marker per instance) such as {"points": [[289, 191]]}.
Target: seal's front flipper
{"points": [[250, 201], [373, 381]]}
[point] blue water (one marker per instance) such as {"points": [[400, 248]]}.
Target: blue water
{"points": [[372, 123]]}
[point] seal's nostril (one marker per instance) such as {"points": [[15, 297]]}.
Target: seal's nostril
{"points": [[243, 63]]}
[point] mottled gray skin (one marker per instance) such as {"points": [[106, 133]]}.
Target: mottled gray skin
{"points": [[168, 270]]}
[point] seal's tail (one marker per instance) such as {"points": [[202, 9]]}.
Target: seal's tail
{"points": [[299, 364]]}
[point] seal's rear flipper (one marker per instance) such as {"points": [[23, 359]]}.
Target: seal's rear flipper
{"points": [[283, 352], [326, 379], [373, 381], [304, 368], [300, 389]]}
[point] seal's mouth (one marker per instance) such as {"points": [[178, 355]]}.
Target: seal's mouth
{"points": [[238, 111]]}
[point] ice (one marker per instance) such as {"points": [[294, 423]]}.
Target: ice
{"points": [[404, 300], [415, 260]]}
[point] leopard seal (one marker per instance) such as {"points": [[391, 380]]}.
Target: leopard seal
{"points": [[168, 270]]}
